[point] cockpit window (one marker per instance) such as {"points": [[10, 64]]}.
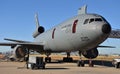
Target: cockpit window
{"points": [[86, 21], [91, 20], [104, 19], [98, 19]]}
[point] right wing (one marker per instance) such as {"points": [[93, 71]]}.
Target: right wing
{"points": [[114, 34], [101, 46]]}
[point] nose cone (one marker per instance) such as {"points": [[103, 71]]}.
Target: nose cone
{"points": [[106, 28]]}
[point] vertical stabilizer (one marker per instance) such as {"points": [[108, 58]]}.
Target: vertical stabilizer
{"points": [[36, 21], [82, 10], [39, 29]]}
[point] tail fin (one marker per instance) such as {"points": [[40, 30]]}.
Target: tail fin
{"points": [[39, 29], [36, 21], [82, 10]]}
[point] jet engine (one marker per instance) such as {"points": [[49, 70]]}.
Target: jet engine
{"points": [[90, 54], [38, 31], [19, 52]]}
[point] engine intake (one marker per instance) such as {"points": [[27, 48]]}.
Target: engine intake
{"points": [[90, 54], [38, 31], [41, 29], [20, 52]]}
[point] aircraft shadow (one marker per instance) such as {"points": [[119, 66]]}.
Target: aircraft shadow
{"points": [[55, 68], [95, 62], [101, 63]]}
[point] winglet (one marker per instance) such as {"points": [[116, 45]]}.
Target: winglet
{"points": [[82, 10]]}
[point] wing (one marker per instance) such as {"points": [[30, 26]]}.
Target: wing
{"points": [[13, 40], [29, 45], [115, 34], [106, 46]]}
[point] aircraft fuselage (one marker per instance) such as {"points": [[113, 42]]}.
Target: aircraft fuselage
{"points": [[82, 32]]}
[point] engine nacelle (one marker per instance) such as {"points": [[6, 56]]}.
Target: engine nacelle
{"points": [[19, 52], [90, 54], [38, 31]]}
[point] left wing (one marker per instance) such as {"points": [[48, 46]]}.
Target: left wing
{"points": [[13, 40], [29, 45]]}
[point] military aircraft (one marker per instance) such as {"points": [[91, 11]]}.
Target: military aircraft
{"points": [[83, 32]]}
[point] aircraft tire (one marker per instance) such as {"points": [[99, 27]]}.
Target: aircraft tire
{"points": [[66, 59], [80, 63], [48, 59], [117, 65]]}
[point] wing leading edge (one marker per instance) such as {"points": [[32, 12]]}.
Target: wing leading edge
{"points": [[29, 45], [115, 34], [13, 40]]}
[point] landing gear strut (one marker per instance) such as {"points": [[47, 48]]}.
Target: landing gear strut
{"points": [[27, 59], [48, 59], [80, 62], [90, 63], [68, 58]]}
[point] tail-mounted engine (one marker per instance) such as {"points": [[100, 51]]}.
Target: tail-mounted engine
{"points": [[90, 54], [39, 29]]}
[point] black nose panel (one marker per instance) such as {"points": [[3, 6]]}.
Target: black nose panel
{"points": [[106, 28]]}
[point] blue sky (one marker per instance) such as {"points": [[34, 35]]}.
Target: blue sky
{"points": [[17, 17]]}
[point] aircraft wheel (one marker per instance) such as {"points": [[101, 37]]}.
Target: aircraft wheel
{"points": [[80, 63], [117, 65], [66, 59], [48, 59], [32, 66]]}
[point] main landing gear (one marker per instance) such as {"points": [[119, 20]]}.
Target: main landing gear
{"points": [[68, 58], [48, 59], [80, 62], [91, 63]]}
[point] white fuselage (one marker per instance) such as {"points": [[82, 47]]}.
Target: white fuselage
{"points": [[75, 34]]}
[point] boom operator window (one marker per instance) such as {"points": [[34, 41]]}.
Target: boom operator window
{"points": [[92, 20]]}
